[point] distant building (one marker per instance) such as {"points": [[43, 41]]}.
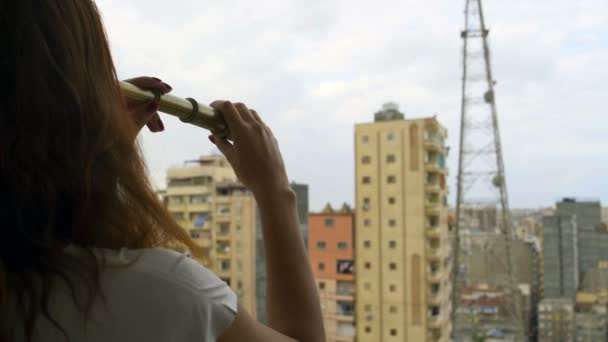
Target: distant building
{"points": [[592, 239], [486, 266], [560, 256], [596, 279], [591, 318], [483, 314], [331, 254], [556, 320], [219, 214], [403, 253], [301, 191]]}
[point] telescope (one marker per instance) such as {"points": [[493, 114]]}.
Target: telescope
{"points": [[188, 110]]}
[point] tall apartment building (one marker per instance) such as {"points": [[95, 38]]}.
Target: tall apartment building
{"points": [[560, 256], [330, 248], [556, 320], [403, 263], [301, 191], [592, 239], [220, 215]]}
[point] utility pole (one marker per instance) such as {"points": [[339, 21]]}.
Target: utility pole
{"points": [[481, 188]]}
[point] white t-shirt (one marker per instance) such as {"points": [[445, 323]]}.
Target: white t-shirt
{"points": [[161, 296]]}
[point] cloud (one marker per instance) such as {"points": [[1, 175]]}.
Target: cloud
{"points": [[315, 68]]}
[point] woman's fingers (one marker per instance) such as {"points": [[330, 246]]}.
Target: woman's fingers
{"points": [[231, 115], [146, 82], [245, 113]]}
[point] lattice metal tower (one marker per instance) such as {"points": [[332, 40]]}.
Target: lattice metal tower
{"points": [[482, 201]]}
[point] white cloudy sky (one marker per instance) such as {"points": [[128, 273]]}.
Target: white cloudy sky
{"points": [[314, 68]]}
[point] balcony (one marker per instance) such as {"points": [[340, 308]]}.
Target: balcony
{"points": [[436, 252], [436, 275], [433, 231], [432, 187], [433, 208], [202, 238], [436, 321], [176, 206], [434, 143], [200, 206]]}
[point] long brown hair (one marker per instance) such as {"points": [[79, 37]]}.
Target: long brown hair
{"points": [[70, 169]]}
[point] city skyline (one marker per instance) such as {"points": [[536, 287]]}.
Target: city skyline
{"points": [[327, 65]]}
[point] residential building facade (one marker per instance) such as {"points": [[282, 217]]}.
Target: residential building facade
{"points": [[403, 255], [556, 320], [220, 214], [591, 318], [330, 248]]}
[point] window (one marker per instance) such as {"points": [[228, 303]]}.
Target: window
{"points": [[365, 139], [329, 222], [224, 210], [392, 288], [366, 180], [198, 199], [368, 265], [367, 286], [392, 309], [366, 203], [176, 200], [393, 332], [392, 222], [366, 160], [392, 244], [392, 266], [321, 266], [178, 216], [367, 244], [239, 265], [391, 200], [321, 285], [391, 179], [195, 234], [342, 245], [368, 329], [321, 244], [390, 158], [390, 136], [224, 265], [367, 222], [367, 308]]}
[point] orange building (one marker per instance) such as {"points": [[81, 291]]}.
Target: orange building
{"points": [[330, 246]]}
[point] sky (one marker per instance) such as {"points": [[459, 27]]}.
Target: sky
{"points": [[315, 68]]}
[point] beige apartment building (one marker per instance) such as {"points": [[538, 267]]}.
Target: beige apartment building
{"points": [[403, 258], [219, 213]]}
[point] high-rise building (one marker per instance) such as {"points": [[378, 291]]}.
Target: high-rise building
{"points": [[596, 279], [592, 239], [330, 247], [556, 320], [403, 255], [301, 191], [560, 256], [220, 215]]}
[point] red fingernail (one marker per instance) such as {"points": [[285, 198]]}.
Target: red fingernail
{"points": [[212, 139], [153, 106], [156, 79], [168, 86]]}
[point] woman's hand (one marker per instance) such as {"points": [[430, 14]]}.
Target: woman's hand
{"points": [[144, 113], [254, 153]]}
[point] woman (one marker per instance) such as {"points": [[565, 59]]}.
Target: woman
{"points": [[81, 253]]}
